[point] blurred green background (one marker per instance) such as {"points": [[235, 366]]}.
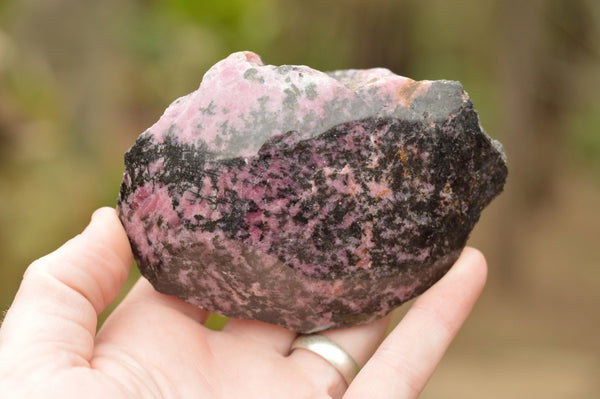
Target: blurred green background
{"points": [[79, 80]]}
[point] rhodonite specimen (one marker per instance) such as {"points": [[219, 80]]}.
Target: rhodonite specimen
{"points": [[306, 199]]}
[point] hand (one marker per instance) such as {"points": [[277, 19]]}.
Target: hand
{"points": [[156, 346]]}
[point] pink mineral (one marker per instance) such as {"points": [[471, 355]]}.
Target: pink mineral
{"points": [[307, 199]]}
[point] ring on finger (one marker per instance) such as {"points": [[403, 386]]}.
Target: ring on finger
{"points": [[331, 352]]}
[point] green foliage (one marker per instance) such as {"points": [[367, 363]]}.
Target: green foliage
{"points": [[216, 322], [215, 13], [584, 134]]}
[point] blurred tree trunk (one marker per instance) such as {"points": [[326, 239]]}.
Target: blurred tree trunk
{"points": [[536, 64], [362, 34], [382, 33]]}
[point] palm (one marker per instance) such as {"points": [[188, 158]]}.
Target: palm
{"points": [[156, 346], [168, 350]]}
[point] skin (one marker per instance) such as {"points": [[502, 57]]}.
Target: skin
{"points": [[156, 346]]}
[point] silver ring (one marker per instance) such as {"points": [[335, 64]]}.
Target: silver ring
{"points": [[330, 352]]}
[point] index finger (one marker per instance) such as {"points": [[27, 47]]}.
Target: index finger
{"points": [[406, 359]]}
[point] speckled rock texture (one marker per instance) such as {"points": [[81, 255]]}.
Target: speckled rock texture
{"points": [[306, 199]]}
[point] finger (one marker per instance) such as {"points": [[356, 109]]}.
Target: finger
{"points": [[402, 365], [271, 336], [144, 306], [62, 293], [359, 342]]}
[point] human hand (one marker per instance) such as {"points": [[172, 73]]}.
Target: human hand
{"points": [[156, 346]]}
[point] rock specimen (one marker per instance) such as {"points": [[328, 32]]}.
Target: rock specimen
{"points": [[306, 199]]}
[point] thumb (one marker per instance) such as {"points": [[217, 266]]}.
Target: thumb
{"points": [[61, 295]]}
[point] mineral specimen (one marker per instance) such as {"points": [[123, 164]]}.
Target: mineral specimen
{"points": [[306, 199]]}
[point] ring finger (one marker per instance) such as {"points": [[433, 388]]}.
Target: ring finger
{"points": [[360, 342]]}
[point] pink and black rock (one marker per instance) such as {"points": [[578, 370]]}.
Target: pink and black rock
{"points": [[306, 199]]}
